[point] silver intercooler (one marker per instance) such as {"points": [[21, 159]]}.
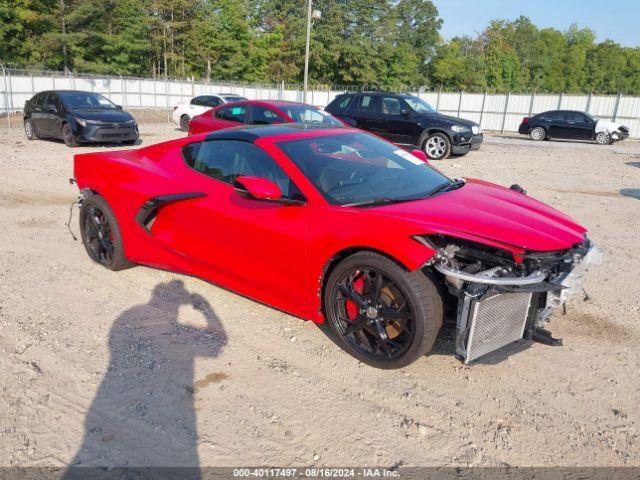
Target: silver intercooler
{"points": [[489, 323]]}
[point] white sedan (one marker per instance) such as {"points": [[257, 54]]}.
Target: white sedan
{"points": [[184, 112]]}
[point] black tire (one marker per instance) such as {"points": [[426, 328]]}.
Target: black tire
{"points": [[30, 129], [437, 146], [421, 305], [69, 138], [101, 234], [538, 134], [184, 122]]}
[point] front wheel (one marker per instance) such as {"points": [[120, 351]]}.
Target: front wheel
{"points": [[101, 235], [69, 138], [603, 138], [29, 129], [437, 146], [379, 313], [538, 134]]}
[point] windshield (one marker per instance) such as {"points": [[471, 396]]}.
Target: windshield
{"points": [[358, 168], [592, 117], [73, 100], [418, 104], [304, 114]]}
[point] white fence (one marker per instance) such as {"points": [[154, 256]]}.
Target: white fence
{"points": [[498, 112]]}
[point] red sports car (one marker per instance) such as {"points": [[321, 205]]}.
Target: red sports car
{"points": [[259, 112], [334, 224]]}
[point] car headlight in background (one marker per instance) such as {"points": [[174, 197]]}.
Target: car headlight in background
{"points": [[476, 130], [459, 128]]}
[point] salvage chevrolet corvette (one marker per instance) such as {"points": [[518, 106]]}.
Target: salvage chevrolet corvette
{"points": [[331, 223]]}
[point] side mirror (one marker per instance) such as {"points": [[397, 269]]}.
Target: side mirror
{"points": [[421, 155], [258, 188], [119, 107], [405, 112]]}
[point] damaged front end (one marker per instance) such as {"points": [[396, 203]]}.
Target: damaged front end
{"points": [[504, 297]]}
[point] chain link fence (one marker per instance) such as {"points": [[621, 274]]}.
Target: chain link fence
{"points": [[493, 111]]}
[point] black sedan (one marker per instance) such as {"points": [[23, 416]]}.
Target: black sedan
{"points": [[78, 117], [571, 124], [409, 121]]}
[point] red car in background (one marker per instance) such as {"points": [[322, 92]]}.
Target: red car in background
{"points": [[334, 224], [259, 112]]}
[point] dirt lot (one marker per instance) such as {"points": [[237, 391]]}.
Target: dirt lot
{"points": [[146, 367]]}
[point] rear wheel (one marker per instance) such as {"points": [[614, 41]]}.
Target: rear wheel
{"points": [[101, 234], [538, 134], [184, 122], [68, 136], [437, 146], [381, 314], [603, 138]]}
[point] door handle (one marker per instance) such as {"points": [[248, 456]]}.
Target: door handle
{"points": [[149, 209]]}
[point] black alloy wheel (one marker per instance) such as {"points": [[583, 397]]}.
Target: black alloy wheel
{"points": [[381, 314], [101, 234]]}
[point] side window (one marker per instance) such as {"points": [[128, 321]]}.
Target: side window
{"points": [[368, 103], [345, 102], [556, 116], [265, 116], [391, 106], [210, 101], [233, 114], [197, 101], [226, 160]]}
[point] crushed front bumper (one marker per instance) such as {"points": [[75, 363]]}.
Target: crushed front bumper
{"points": [[496, 311]]}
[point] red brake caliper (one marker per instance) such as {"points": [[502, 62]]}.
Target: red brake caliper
{"points": [[358, 287]]}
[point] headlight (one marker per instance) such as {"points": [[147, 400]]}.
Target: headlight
{"points": [[459, 128], [476, 130], [82, 122]]}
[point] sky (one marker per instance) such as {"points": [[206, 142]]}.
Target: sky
{"points": [[617, 20]]}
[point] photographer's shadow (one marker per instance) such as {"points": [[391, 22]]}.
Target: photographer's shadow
{"points": [[143, 413]]}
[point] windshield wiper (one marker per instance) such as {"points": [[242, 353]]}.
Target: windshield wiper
{"points": [[452, 185], [380, 201]]}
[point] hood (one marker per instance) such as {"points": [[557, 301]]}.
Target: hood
{"points": [[101, 114], [448, 118], [496, 213], [607, 126]]}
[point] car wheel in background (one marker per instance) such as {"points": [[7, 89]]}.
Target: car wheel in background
{"points": [[603, 138], [68, 136], [538, 134], [437, 146], [184, 122], [379, 313], [29, 129], [101, 234]]}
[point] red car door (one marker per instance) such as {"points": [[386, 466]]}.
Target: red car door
{"points": [[226, 116], [256, 247]]}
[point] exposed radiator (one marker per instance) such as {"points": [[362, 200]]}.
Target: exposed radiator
{"points": [[489, 324]]}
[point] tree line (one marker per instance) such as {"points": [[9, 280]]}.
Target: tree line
{"points": [[392, 44]]}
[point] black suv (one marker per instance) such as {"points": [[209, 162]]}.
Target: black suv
{"points": [[409, 121], [78, 117]]}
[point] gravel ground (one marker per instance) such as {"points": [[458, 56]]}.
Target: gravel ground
{"points": [[145, 367]]}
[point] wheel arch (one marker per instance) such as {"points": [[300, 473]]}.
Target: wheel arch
{"points": [[429, 130], [337, 257]]}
